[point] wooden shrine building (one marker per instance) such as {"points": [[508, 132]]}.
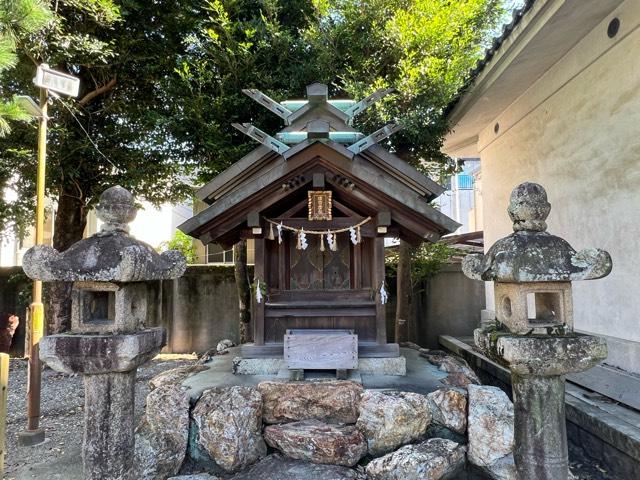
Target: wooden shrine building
{"points": [[319, 198]]}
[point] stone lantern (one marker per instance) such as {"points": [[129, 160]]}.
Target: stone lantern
{"points": [[108, 339], [534, 336]]}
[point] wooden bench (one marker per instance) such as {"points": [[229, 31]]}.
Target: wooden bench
{"points": [[320, 349]]}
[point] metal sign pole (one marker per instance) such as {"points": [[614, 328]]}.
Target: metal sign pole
{"points": [[34, 434]]}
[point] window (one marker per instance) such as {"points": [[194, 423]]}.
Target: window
{"points": [[465, 182], [215, 253]]}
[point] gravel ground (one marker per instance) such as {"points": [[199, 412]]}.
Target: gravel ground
{"points": [[62, 416], [59, 457]]}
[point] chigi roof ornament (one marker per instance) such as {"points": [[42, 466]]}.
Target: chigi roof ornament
{"points": [[317, 97]]}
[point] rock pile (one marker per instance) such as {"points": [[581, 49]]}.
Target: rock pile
{"points": [[327, 430]]}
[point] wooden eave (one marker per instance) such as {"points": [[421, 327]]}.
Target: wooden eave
{"points": [[373, 186], [261, 159], [394, 165]]}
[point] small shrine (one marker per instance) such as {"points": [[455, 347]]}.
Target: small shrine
{"points": [[319, 198]]}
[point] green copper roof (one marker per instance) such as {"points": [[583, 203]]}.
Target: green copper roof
{"points": [[294, 105], [346, 138]]}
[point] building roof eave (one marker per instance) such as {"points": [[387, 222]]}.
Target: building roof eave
{"points": [[540, 36]]}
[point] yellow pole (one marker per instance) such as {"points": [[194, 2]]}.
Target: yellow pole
{"points": [[34, 434], [4, 385]]}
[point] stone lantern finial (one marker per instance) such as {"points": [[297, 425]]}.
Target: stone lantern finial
{"points": [[530, 253], [529, 208], [116, 209]]}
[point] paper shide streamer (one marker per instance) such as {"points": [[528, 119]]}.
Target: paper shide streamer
{"points": [[330, 236], [258, 292], [383, 294]]}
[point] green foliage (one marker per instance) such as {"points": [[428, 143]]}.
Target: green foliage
{"points": [[22, 285], [236, 45], [182, 243], [426, 260], [422, 48], [125, 56], [18, 20]]}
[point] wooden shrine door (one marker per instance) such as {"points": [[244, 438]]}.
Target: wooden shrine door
{"points": [[313, 269]]}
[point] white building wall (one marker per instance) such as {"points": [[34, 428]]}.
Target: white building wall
{"points": [[576, 131]]}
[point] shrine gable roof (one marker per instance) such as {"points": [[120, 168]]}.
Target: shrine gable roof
{"points": [[372, 189], [319, 138]]}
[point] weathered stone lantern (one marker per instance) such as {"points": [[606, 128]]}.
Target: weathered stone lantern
{"points": [[108, 340], [534, 336]]}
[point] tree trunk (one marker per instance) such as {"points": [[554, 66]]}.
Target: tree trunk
{"points": [[244, 291], [70, 222], [404, 290]]}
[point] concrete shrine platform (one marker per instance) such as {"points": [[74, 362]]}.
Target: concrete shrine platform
{"points": [[421, 376]]}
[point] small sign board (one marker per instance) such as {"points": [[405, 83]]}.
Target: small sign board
{"points": [[56, 81], [320, 205], [320, 349]]}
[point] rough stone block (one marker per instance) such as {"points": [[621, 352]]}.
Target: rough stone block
{"points": [[278, 467], [227, 422], [391, 419], [318, 442], [433, 459], [175, 376], [449, 408], [163, 434], [490, 425], [331, 401]]}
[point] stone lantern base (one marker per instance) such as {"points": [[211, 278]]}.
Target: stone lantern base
{"points": [[109, 364], [538, 366]]}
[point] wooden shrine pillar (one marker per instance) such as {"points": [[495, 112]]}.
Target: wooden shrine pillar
{"points": [[258, 308], [378, 278]]}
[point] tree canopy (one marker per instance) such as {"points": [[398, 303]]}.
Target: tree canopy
{"points": [[161, 84], [424, 49], [115, 131]]}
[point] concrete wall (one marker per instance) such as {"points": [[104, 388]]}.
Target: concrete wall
{"points": [[447, 304], [199, 309], [576, 131]]}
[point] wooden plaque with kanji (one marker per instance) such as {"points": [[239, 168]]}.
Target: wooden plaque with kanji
{"points": [[320, 205]]}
